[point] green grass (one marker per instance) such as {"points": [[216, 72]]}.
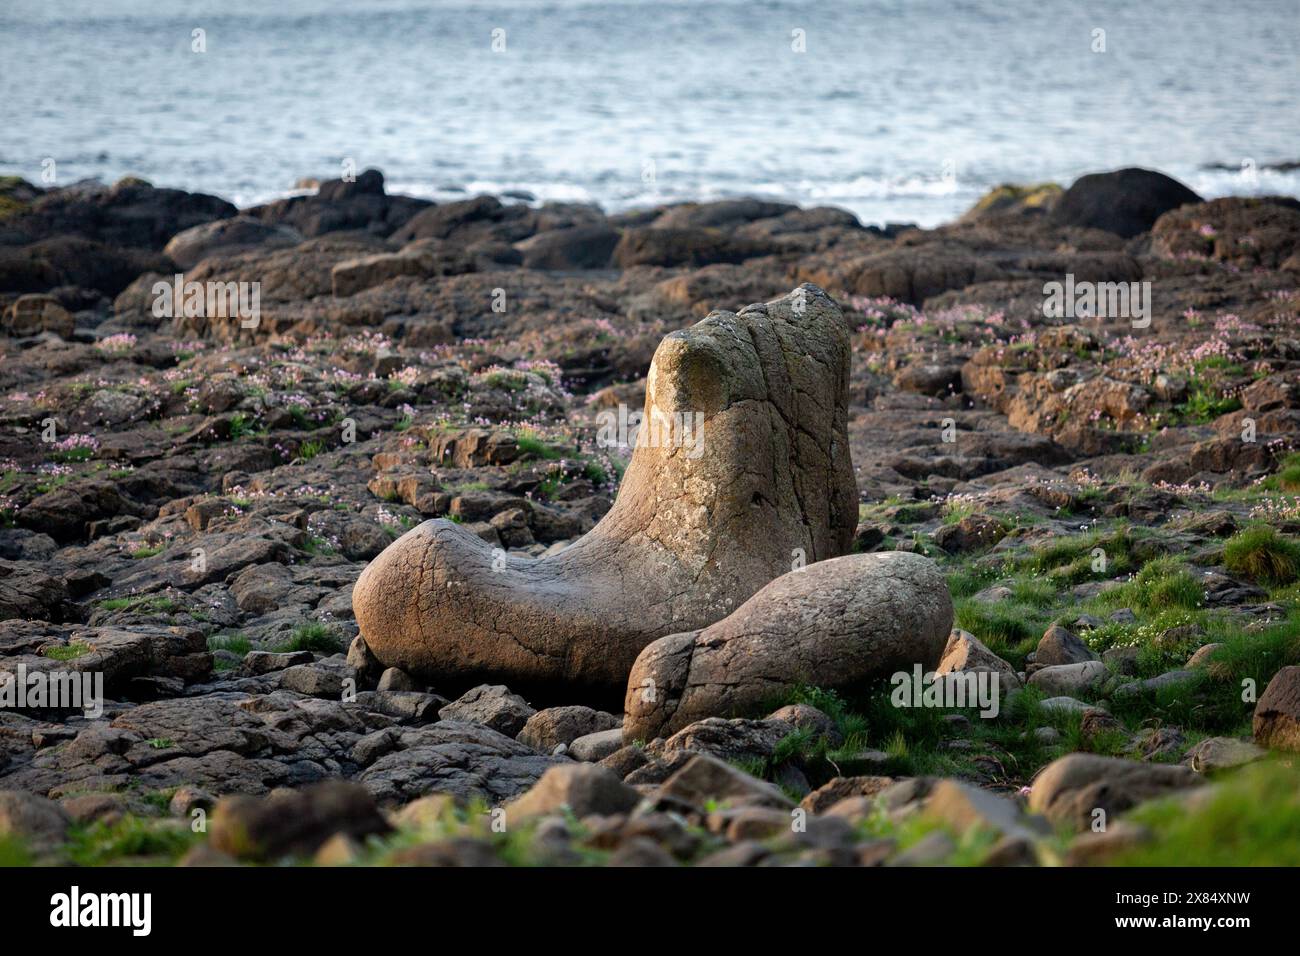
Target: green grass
{"points": [[100, 844], [1161, 584], [143, 604], [531, 445], [1251, 819], [314, 636], [67, 652], [1010, 628], [147, 551], [1288, 475], [1263, 556], [234, 643], [13, 852], [310, 449], [1215, 699], [1204, 404], [241, 426]]}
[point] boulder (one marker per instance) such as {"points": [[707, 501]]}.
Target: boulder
{"points": [[703, 781], [1059, 646], [1070, 789], [1126, 201], [547, 729], [577, 247], [492, 705], [965, 652], [749, 472], [686, 246], [834, 624], [225, 237], [1277, 714], [581, 788], [35, 822], [1067, 680], [295, 822]]}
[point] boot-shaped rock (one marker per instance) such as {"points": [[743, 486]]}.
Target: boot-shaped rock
{"points": [[741, 472]]}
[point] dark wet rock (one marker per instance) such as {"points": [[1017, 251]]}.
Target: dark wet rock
{"points": [[224, 237], [492, 705], [1125, 202], [129, 213], [461, 759]]}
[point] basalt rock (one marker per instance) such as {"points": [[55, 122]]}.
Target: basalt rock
{"points": [[706, 515], [835, 624]]}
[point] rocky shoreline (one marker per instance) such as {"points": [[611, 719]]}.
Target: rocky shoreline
{"points": [[188, 496]]}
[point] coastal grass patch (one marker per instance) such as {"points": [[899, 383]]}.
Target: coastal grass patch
{"points": [[314, 636], [66, 652], [1287, 477], [1009, 628], [1249, 818], [141, 604], [532, 444], [129, 839], [1074, 559], [1220, 697], [1161, 583], [234, 643], [1262, 555]]}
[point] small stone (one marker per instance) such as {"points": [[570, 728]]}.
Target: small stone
{"points": [[640, 852], [265, 662], [1202, 656], [582, 788], [397, 679], [338, 850], [492, 705], [37, 822], [704, 779], [294, 822], [592, 748], [188, 799], [1223, 753], [548, 728], [1069, 679], [1059, 646], [838, 789], [1071, 789]]}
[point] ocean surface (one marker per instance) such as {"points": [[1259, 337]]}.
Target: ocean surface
{"points": [[899, 110]]}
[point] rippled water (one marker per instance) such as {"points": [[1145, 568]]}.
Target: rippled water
{"points": [[898, 109]]}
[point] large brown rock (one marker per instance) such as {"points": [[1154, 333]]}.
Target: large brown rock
{"points": [[835, 625], [1277, 715], [705, 516], [1071, 789]]}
